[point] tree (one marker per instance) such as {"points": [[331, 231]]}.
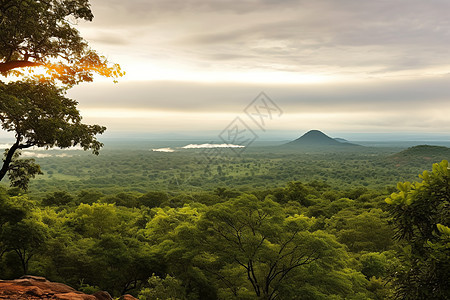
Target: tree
{"points": [[421, 215], [58, 198], [95, 220], [122, 263], [88, 197], [40, 116], [176, 240], [362, 231], [40, 33], [25, 238], [374, 264], [10, 214], [252, 240], [168, 288], [20, 171], [153, 199]]}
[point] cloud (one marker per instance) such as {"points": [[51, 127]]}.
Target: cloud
{"points": [[360, 38], [380, 95], [373, 65], [419, 105], [34, 154], [109, 37]]}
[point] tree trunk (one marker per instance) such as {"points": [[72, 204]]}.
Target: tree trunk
{"points": [[8, 159]]}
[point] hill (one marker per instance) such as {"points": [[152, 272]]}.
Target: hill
{"points": [[422, 153], [317, 139]]}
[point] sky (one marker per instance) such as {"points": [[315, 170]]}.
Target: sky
{"points": [[354, 69]]}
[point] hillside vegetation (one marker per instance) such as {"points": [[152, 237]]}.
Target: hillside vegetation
{"points": [[297, 241]]}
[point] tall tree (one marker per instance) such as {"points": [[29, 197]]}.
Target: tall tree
{"points": [[25, 238], [40, 33], [10, 214], [254, 241], [40, 116]]}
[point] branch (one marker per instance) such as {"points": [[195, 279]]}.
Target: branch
{"points": [[130, 285], [241, 264], [254, 284], [288, 241], [255, 280], [224, 236], [8, 66], [26, 146]]}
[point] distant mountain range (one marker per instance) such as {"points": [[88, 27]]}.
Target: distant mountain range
{"points": [[318, 139]]}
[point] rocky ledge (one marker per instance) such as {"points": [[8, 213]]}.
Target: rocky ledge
{"points": [[36, 288]]}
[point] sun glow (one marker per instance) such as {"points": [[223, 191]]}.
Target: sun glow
{"points": [[160, 71]]}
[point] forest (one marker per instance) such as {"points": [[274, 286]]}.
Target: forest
{"points": [[270, 222], [305, 238], [140, 170]]}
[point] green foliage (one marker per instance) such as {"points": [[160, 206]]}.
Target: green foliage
{"points": [[40, 116], [153, 199], [366, 231], [421, 153], [374, 264], [88, 196], [420, 212], [41, 33], [168, 288], [58, 199], [25, 237], [10, 211], [249, 239], [175, 238], [88, 289], [20, 171], [138, 170], [378, 290], [300, 241], [96, 245], [95, 220]]}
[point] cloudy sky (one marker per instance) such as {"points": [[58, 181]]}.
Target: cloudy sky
{"points": [[350, 68]]}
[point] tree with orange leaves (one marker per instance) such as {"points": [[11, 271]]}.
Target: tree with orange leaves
{"points": [[41, 33]]}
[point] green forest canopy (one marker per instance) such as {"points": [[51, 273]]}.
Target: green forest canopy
{"points": [[302, 240]]}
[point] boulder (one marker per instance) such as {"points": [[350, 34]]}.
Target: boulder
{"points": [[35, 288], [102, 295]]}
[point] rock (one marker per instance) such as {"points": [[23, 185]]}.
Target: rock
{"points": [[68, 296], [73, 296], [35, 278], [102, 295], [35, 291], [35, 288], [127, 297]]}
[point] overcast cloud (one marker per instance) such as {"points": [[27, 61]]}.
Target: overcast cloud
{"points": [[358, 60], [330, 37]]}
